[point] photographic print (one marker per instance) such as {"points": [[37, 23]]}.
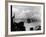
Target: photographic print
{"points": [[25, 18]]}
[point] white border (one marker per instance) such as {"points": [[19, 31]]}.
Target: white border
{"points": [[24, 32]]}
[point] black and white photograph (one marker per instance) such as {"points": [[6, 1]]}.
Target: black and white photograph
{"points": [[24, 18]]}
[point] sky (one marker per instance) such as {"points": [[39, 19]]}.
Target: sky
{"points": [[26, 11]]}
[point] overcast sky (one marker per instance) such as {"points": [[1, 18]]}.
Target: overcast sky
{"points": [[26, 11]]}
